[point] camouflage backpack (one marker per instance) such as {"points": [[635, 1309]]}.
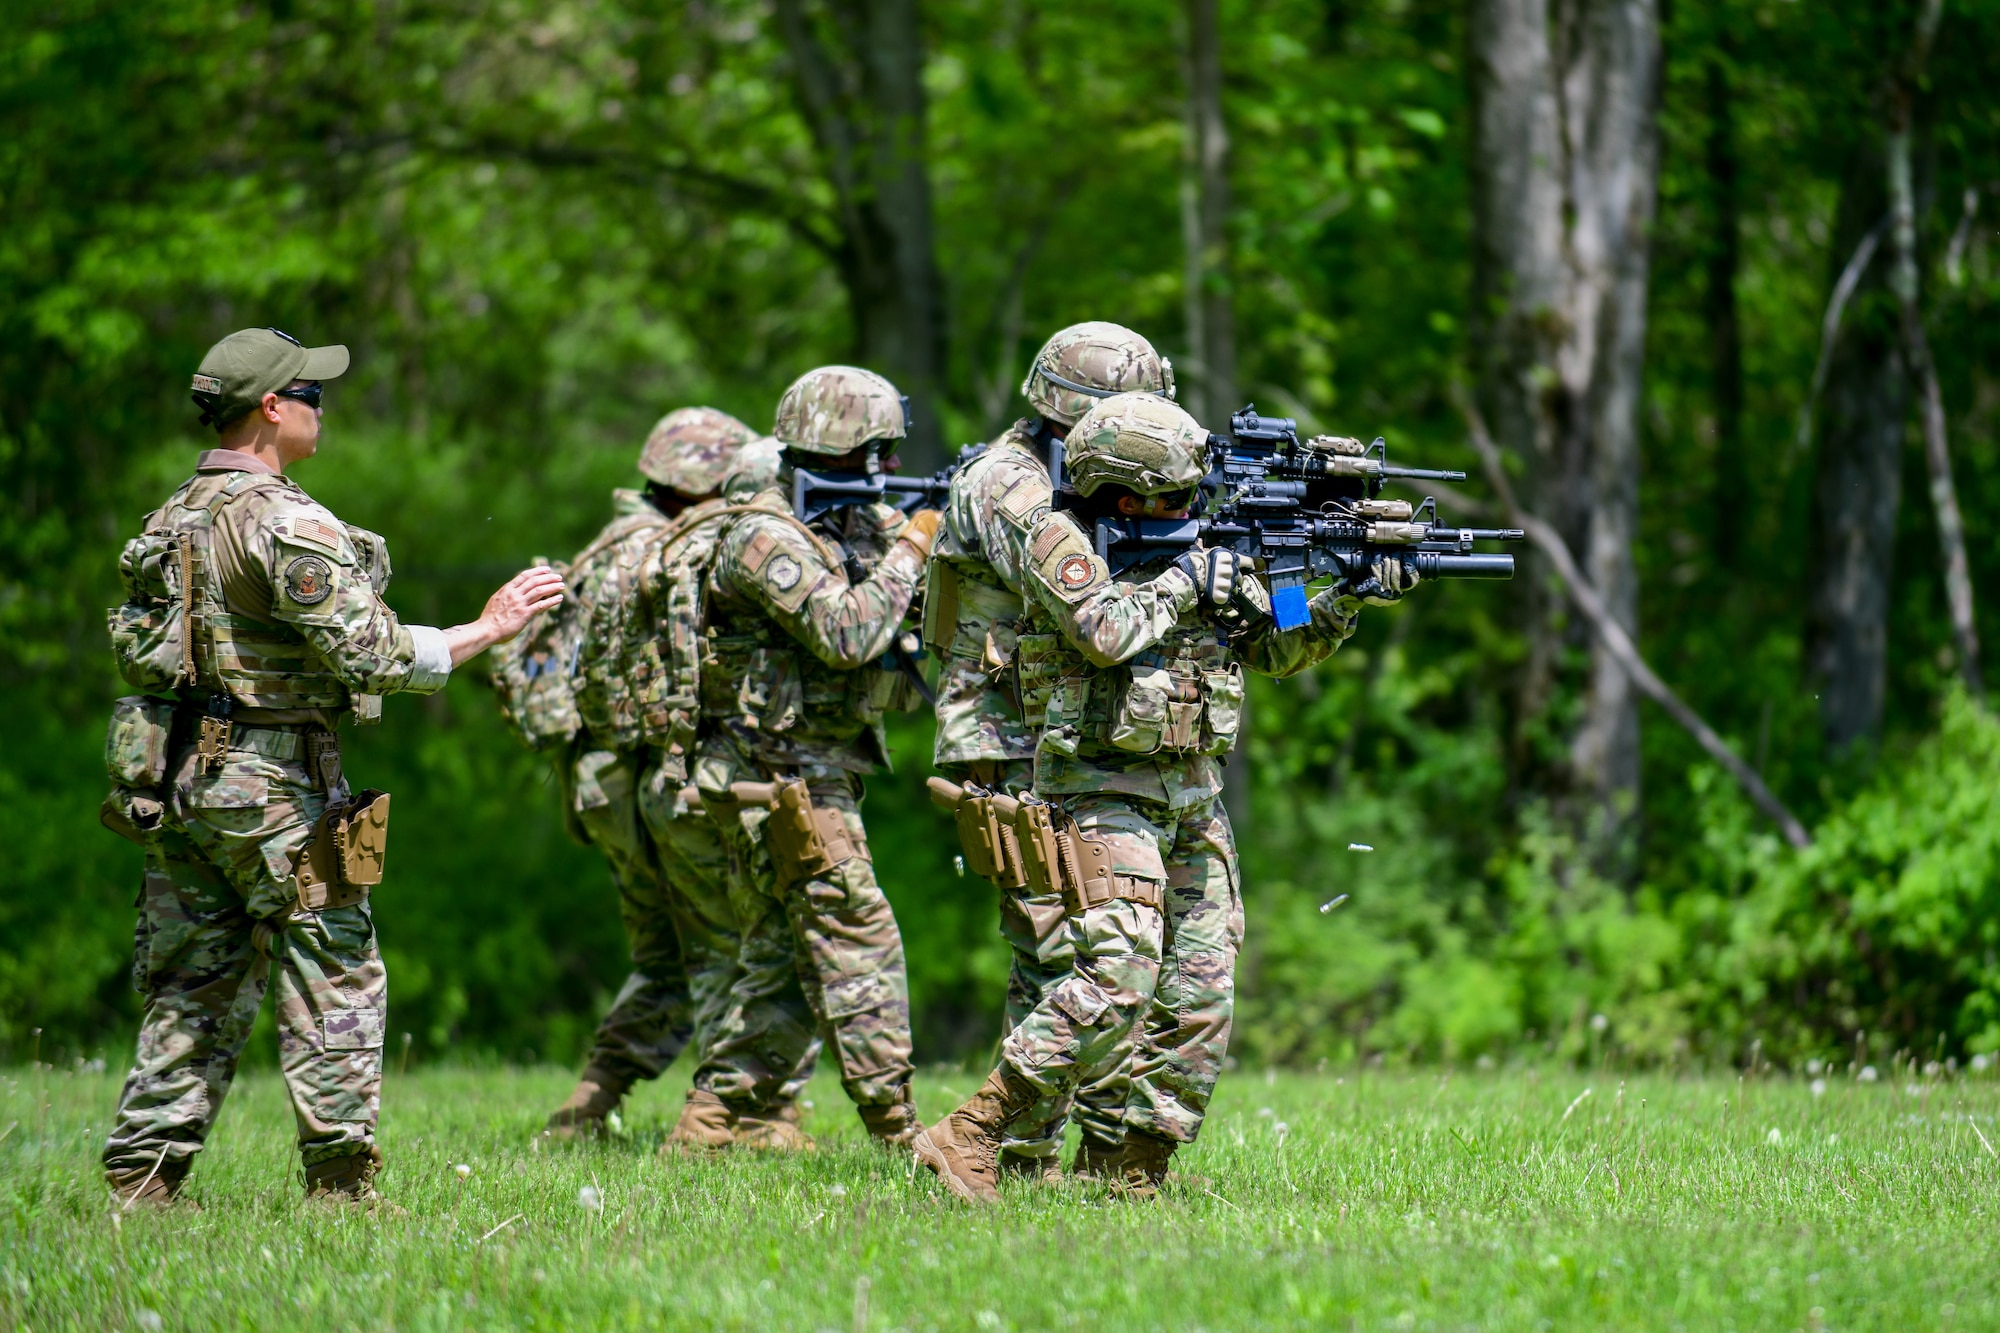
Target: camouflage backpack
{"points": [[536, 676]]}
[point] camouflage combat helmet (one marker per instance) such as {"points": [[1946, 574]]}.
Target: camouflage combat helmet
{"points": [[755, 465], [837, 409], [1089, 362], [693, 449], [1136, 440]]}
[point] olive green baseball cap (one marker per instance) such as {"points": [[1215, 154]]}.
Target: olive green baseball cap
{"points": [[242, 368]]}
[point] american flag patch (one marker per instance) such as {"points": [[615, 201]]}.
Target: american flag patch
{"points": [[308, 529]]}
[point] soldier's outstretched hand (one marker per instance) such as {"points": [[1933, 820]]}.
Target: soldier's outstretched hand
{"points": [[508, 611]]}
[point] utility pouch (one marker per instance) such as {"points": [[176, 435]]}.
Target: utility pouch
{"points": [[137, 742], [1143, 714], [343, 859], [132, 815], [805, 840], [985, 830], [940, 607]]}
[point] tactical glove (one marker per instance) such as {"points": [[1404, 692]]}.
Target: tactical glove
{"points": [[922, 530], [1388, 579], [1213, 574], [1252, 598]]}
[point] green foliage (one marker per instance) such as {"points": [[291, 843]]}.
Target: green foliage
{"points": [[1529, 1199]]}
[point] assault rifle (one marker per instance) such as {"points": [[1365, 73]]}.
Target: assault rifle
{"points": [[815, 494], [1308, 508]]}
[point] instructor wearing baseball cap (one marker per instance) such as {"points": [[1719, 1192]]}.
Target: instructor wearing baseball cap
{"points": [[254, 625]]}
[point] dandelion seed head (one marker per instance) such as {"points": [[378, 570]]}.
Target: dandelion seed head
{"points": [[1775, 1137], [1819, 1087], [463, 1170], [149, 1320], [1868, 1074], [589, 1199]]}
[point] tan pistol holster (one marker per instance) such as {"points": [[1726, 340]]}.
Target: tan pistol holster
{"points": [[1061, 858], [344, 858], [985, 830], [805, 840]]}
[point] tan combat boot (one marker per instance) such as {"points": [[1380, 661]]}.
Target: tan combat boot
{"points": [[706, 1125], [590, 1105], [346, 1179], [1035, 1170], [964, 1147], [776, 1132], [157, 1186], [1142, 1167], [893, 1125], [1098, 1158]]}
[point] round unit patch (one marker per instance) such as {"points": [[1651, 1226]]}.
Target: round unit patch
{"points": [[783, 573], [308, 580], [1075, 572]]}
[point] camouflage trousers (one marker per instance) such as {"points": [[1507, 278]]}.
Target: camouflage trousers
{"points": [[671, 872], [1042, 954], [223, 852], [821, 958], [1162, 980]]}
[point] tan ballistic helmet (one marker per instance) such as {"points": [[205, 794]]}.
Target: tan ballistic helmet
{"points": [[754, 467], [1136, 440], [1086, 363], [693, 449], [837, 409]]}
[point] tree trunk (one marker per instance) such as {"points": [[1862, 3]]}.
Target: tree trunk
{"points": [[1209, 391], [1725, 337], [857, 71], [1916, 347], [1210, 309], [1565, 172], [1858, 487]]}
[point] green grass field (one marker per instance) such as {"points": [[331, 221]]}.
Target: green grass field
{"points": [[1518, 1199]]}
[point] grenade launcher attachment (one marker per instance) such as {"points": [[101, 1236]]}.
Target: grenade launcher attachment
{"points": [[1307, 509]]}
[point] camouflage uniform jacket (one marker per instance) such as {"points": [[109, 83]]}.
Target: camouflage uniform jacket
{"points": [[790, 678], [289, 617], [974, 599], [1133, 689]]}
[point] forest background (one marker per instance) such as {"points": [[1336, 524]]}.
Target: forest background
{"points": [[1612, 232]]}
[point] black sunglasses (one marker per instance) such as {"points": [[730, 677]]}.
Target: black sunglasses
{"points": [[308, 395]]}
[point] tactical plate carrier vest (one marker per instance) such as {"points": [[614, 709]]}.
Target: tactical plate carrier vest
{"points": [[174, 635], [1183, 696]]}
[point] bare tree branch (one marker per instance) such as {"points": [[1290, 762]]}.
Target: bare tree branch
{"points": [[1617, 642], [1829, 328]]}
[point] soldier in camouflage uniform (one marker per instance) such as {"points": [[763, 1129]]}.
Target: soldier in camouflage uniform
{"points": [[792, 697], [254, 621], [1136, 687], [971, 610], [667, 862]]}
